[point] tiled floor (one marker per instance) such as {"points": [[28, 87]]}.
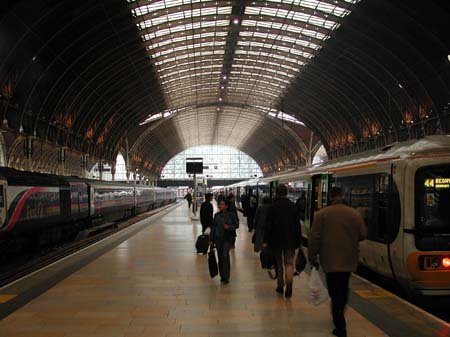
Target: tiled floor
{"points": [[155, 285]]}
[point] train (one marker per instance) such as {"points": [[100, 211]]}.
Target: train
{"points": [[403, 193], [48, 207]]}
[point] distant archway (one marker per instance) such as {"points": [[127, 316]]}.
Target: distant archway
{"points": [[121, 170], [220, 162], [320, 156]]}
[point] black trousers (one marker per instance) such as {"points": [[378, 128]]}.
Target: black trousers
{"points": [[338, 290], [223, 253]]}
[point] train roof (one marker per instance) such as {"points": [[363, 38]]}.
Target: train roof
{"points": [[16, 177], [428, 146]]}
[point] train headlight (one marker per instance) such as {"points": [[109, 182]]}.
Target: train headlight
{"points": [[436, 262], [446, 262]]}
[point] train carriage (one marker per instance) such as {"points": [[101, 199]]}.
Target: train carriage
{"points": [[403, 193]]}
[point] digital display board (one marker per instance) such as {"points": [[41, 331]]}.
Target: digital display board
{"points": [[194, 167]]}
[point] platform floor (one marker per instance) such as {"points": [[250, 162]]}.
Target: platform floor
{"points": [[155, 285]]}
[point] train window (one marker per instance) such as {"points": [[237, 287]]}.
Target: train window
{"points": [[433, 199], [376, 197]]}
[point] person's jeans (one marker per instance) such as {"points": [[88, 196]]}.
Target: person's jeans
{"points": [[223, 253], [338, 290], [284, 257]]}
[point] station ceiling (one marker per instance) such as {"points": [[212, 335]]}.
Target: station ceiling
{"points": [[157, 77]]}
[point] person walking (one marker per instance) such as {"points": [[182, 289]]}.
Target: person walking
{"points": [[188, 198], [301, 206], [335, 236], [260, 222], [224, 225], [206, 212], [232, 209], [283, 235], [245, 203], [251, 210]]}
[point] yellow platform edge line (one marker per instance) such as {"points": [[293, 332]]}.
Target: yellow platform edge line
{"points": [[6, 297]]}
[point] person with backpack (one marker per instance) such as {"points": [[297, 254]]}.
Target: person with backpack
{"points": [[225, 223], [283, 236], [335, 236], [206, 212]]}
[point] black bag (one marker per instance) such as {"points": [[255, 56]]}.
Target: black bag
{"points": [[300, 261], [212, 263], [202, 244], [267, 259]]}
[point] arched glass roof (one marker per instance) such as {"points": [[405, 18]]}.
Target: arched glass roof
{"points": [[219, 162], [224, 51]]}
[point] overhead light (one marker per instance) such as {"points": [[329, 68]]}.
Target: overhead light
{"points": [[400, 86], [224, 77], [220, 99], [448, 57], [236, 21], [222, 87]]}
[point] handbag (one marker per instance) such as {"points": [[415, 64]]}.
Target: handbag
{"points": [[300, 261], [267, 259], [212, 263]]}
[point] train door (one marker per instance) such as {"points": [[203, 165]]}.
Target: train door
{"points": [[318, 196], [3, 203]]}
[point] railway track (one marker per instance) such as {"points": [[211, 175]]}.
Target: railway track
{"points": [[23, 266]]}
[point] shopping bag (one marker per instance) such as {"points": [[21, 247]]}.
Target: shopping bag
{"points": [[212, 263], [317, 292], [300, 261]]}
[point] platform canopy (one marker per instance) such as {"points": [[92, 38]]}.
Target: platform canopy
{"points": [[273, 78]]}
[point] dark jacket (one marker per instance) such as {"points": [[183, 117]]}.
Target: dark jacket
{"points": [[335, 236], [261, 223], [218, 231], [206, 214], [284, 231], [232, 209]]}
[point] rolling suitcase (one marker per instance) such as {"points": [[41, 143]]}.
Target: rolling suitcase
{"points": [[202, 244]]}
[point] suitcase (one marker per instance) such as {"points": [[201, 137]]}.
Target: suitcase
{"points": [[212, 263], [202, 244]]}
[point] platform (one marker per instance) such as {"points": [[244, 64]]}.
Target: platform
{"points": [[153, 284]]}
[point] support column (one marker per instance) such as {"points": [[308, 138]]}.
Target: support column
{"points": [[100, 170], [113, 171], [83, 165], [127, 160], [28, 153], [61, 161]]}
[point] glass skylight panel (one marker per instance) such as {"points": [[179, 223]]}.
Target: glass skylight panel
{"points": [[186, 41], [187, 38], [283, 27], [188, 14]]}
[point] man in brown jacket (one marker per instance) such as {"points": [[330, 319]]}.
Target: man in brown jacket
{"points": [[335, 236]]}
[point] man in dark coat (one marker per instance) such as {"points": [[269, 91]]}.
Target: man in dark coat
{"points": [[283, 236], [188, 198], [206, 212], [232, 209], [261, 220]]}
